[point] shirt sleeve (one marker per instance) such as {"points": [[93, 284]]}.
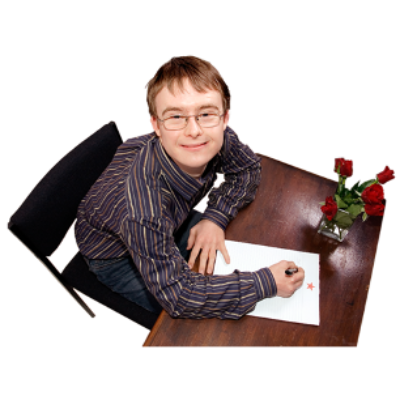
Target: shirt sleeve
{"points": [[242, 170], [182, 292]]}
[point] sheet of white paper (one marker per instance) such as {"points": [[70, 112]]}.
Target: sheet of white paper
{"points": [[303, 306]]}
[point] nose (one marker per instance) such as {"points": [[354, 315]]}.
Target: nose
{"points": [[193, 128]]}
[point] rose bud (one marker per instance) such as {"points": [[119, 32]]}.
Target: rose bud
{"points": [[346, 166], [374, 209], [386, 175]]}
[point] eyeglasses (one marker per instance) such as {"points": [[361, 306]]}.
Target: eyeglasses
{"points": [[177, 122]]}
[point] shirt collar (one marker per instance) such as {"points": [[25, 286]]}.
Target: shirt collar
{"points": [[226, 147], [180, 181]]}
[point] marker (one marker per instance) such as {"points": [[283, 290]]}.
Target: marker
{"points": [[290, 271]]}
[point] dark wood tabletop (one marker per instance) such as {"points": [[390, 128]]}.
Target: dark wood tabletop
{"points": [[286, 214]]}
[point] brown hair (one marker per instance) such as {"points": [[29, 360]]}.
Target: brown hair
{"points": [[201, 74]]}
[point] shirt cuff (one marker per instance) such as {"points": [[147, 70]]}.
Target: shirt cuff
{"points": [[217, 217], [265, 283]]}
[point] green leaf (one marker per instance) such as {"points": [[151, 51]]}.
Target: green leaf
{"points": [[365, 216], [355, 187], [355, 209], [343, 221], [345, 192], [355, 191], [322, 203], [341, 214], [340, 203], [349, 199]]}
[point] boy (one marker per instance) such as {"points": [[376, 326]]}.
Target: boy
{"points": [[136, 226]]}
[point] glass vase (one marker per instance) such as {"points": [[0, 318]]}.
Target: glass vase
{"points": [[336, 230]]}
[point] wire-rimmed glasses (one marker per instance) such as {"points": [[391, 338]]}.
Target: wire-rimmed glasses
{"points": [[177, 122]]}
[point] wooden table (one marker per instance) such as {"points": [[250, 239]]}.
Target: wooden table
{"points": [[286, 213]]}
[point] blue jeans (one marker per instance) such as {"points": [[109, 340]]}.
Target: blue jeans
{"points": [[122, 276]]}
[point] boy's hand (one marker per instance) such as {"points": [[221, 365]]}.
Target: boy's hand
{"points": [[286, 285], [207, 237]]}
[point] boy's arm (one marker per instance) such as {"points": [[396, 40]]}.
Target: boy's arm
{"points": [[242, 170], [186, 294]]}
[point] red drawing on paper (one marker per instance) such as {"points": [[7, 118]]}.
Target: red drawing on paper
{"points": [[310, 286]]}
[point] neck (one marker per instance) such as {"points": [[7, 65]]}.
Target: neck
{"points": [[197, 175]]}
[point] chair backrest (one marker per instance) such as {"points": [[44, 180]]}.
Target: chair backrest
{"points": [[44, 218]]}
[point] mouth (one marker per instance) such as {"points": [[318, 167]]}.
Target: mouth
{"points": [[195, 146]]}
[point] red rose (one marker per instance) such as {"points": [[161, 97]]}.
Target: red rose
{"points": [[385, 175], [373, 194], [330, 208], [346, 166], [374, 209]]}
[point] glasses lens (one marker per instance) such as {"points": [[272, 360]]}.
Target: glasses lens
{"points": [[208, 120], [175, 123], [180, 121]]}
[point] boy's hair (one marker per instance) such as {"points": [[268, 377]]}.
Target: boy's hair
{"points": [[201, 74]]}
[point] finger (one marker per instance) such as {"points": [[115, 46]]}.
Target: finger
{"points": [[295, 276], [298, 285], [203, 261], [191, 240], [193, 256], [211, 262], [299, 275], [225, 253]]}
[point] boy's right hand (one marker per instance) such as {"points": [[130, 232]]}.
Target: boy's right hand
{"points": [[286, 285]]}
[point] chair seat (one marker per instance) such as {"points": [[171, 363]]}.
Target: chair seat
{"points": [[77, 274]]}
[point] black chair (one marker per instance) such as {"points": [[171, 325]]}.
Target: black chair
{"points": [[44, 218]]}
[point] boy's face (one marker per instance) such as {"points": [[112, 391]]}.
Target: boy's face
{"points": [[194, 146]]}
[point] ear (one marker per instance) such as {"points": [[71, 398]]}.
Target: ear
{"points": [[154, 123], [226, 119]]}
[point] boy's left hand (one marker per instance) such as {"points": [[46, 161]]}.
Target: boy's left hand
{"points": [[207, 237]]}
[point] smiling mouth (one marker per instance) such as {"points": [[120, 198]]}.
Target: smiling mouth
{"points": [[193, 147]]}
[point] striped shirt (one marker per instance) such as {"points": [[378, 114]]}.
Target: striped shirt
{"points": [[143, 197]]}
